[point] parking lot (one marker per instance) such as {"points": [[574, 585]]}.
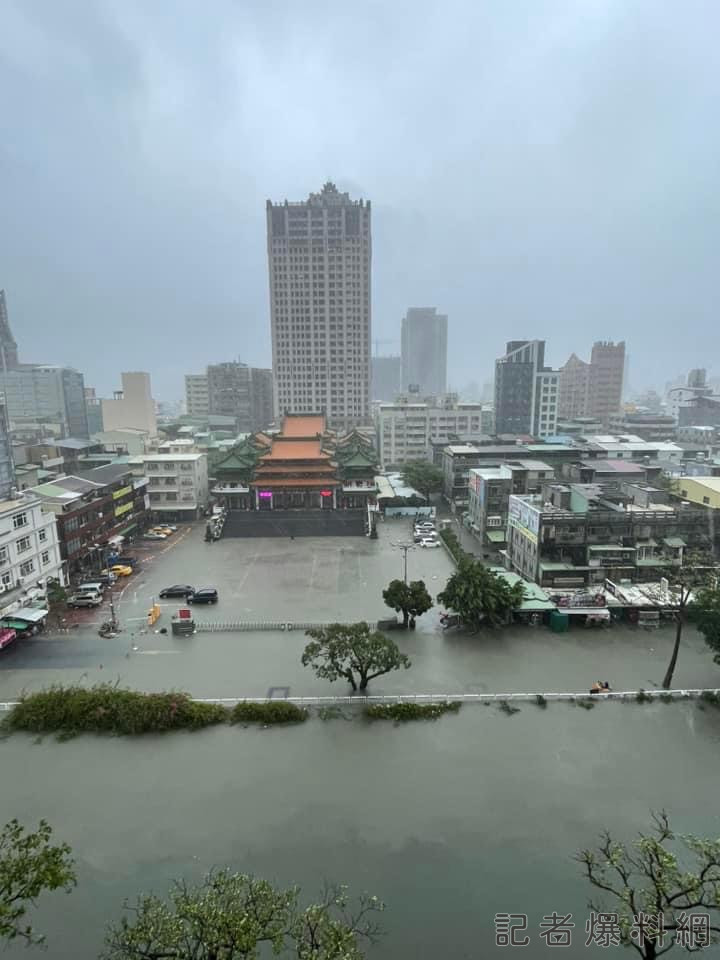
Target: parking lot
{"points": [[323, 579]]}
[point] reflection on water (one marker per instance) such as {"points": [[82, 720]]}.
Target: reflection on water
{"points": [[449, 822]]}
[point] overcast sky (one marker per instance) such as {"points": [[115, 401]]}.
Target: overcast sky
{"points": [[536, 169]]}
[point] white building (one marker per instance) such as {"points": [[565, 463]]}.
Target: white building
{"points": [[133, 406], [177, 483], [29, 552], [405, 429], [197, 396], [319, 254]]}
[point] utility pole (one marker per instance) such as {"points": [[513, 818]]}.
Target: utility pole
{"points": [[404, 547]]}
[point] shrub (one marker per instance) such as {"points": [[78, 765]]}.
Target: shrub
{"points": [[508, 708], [541, 701], [642, 697], [402, 712], [109, 709], [710, 696], [271, 711], [666, 697], [585, 704], [453, 545]]}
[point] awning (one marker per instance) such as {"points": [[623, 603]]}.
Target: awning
{"points": [[674, 542], [30, 614], [495, 536], [598, 612], [7, 623]]}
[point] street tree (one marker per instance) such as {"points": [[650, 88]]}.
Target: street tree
{"points": [[230, 916], [29, 865], [704, 612], [478, 595], [696, 572], [655, 884], [426, 478], [353, 652], [410, 599]]}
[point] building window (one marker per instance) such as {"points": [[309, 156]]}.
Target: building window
{"points": [[42, 535], [27, 568], [23, 544], [45, 557], [20, 520], [3, 555], [6, 579], [706, 500]]}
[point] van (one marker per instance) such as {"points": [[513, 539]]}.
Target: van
{"points": [[85, 599], [92, 586]]}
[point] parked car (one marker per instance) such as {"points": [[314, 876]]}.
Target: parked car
{"points": [[168, 531], [154, 536], [177, 590], [429, 542], [86, 599], [127, 560], [6, 637], [424, 525], [107, 579], [119, 569], [91, 586], [206, 595]]}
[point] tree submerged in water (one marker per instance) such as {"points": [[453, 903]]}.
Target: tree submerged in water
{"points": [[353, 652], [233, 916]]}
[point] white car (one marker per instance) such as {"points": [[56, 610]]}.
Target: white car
{"points": [[429, 542]]}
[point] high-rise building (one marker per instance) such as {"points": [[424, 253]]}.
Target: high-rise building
{"points": [[7, 465], [385, 378], [45, 399], [261, 398], [526, 391], [319, 254], [593, 389], [8, 347], [133, 406], [229, 391], [196, 395], [424, 351], [93, 405]]}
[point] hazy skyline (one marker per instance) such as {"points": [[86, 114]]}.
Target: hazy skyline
{"points": [[536, 169]]}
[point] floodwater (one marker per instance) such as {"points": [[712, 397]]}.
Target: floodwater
{"points": [[449, 822]]}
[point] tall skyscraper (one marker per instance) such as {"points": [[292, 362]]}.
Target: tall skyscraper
{"points": [[197, 402], [593, 389], [47, 398], [8, 347], [319, 255], [424, 351], [385, 378], [526, 391]]}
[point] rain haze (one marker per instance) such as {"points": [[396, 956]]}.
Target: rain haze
{"points": [[536, 170]]}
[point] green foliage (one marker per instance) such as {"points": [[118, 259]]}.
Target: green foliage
{"points": [[508, 708], [704, 612], [666, 698], [585, 704], [453, 545], [352, 652], [233, 916], [659, 873], [272, 711], [423, 477], [410, 599], [108, 709], [478, 595], [402, 712], [541, 701], [711, 697], [29, 865], [642, 697]]}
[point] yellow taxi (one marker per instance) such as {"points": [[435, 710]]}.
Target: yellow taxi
{"points": [[121, 570]]}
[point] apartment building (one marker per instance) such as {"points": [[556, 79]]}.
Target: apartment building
{"points": [[45, 400], [424, 351], [29, 551], [405, 429], [177, 483], [319, 253], [133, 406], [593, 389], [526, 391], [197, 399], [489, 492]]}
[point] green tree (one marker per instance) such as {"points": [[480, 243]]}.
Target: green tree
{"points": [[650, 876], [230, 916], [704, 612], [29, 865], [352, 651], [695, 573], [56, 598], [410, 599], [423, 477], [478, 595]]}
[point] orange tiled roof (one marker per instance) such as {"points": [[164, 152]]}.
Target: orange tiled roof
{"points": [[295, 482], [283, 467], [303, 426], [295, 450]]}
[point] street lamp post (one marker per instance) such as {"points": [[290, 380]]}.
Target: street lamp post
{"points": [[404, 547]]}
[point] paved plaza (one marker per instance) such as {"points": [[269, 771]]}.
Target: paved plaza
{"points": [[325, 579], [295, 523]]}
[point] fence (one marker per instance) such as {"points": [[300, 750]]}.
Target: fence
{"points": [[248, 625]]}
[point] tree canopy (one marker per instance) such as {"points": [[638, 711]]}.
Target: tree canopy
{"points": [[29, 865], [654, 883], [696, 572], [704, 612], [234, 916], [353, 652], [411, 599], [426, 478], [478, 595]]}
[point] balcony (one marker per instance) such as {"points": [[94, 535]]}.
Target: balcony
{"points": [[230, 488]]}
